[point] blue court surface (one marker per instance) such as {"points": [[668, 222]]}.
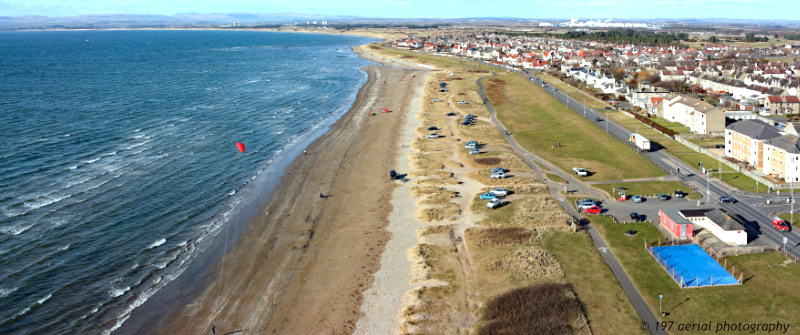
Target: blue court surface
{"points": [[691, 265]]}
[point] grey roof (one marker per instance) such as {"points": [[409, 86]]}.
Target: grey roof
{"points": [[690, 213], [675, 215], [787, 142], [725, 221], [756, 129]]}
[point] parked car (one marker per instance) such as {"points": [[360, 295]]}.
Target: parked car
{"points": [[586, 204], [679, 194], [498, 169], [494, 203], [499, 175], [471, 145], [779, 224], [637, 198], [727, 199], [433, 128], [392, 174], [433, 135], [662, 196], [500, 192], [488, 196], [462, 102], [580, 171], [450, 114], [466, 123], [635, 217], [437, 100], [592, 210], [474, 152]]}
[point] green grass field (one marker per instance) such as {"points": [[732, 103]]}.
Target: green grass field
{"points": [[607, 309], [770, 291], [691, 157], [538, 121], [578, 95]]}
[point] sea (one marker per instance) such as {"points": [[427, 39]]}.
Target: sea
{"points": [[118, 156]]}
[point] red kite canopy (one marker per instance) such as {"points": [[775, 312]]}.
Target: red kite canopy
{"points": [[240, 145]]}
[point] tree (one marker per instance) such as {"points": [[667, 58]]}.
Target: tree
{"points": [[713, 39]]}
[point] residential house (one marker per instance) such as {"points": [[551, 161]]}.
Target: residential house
{"points": [[641, 95], [781, 105], [700, 116], [744, 141]]}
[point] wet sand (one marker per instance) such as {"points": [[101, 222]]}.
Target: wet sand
{"points": [[303, 268]]}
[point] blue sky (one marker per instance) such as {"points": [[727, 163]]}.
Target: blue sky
{"points": [[734, 9]]}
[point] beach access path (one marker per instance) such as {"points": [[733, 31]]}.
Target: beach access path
{"points": [[303, 268]]}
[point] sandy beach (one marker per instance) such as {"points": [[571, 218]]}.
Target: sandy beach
{"points": [[303, 265]]}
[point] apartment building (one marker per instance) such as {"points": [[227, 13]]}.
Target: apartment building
{"points": [[744, 141]]}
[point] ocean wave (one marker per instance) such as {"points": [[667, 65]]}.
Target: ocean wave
{"points": [[157, 243], [90, 161], [118, 292], [6, 291], [16, 230], [43, 300]]}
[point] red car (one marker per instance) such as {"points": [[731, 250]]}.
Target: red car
{"points": [[592, 210], [779, 224]]}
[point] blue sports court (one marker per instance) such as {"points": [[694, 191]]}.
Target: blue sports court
{"points": [[690, 266]]}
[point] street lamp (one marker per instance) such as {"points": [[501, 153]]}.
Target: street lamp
{"points": [[708, 191]]}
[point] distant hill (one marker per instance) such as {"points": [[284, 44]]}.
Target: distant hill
{"points": [[185, 20]]}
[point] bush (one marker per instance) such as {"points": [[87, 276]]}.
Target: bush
{"points": [[542, 309]]}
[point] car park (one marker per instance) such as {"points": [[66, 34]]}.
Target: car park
{"points": [[433, 135], [637, 198], [494, 203], [488, 196], [592, 210], [779, 224], [499, 175], [727, 199], [662, 196], [474, 152], [679, 194]]}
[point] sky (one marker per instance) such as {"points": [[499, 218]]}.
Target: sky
{"points": [[598, 9]]}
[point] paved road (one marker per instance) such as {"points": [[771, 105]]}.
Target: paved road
{"points": [[750, 206], [627, 286]]}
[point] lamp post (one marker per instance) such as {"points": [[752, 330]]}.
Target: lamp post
{"points": [[660, 296], [708, 190]]}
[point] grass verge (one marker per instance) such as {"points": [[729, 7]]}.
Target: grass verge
{"points": [[770, 291]]}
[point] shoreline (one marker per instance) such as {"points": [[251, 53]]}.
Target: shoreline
{"points": [[262, 292]]}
